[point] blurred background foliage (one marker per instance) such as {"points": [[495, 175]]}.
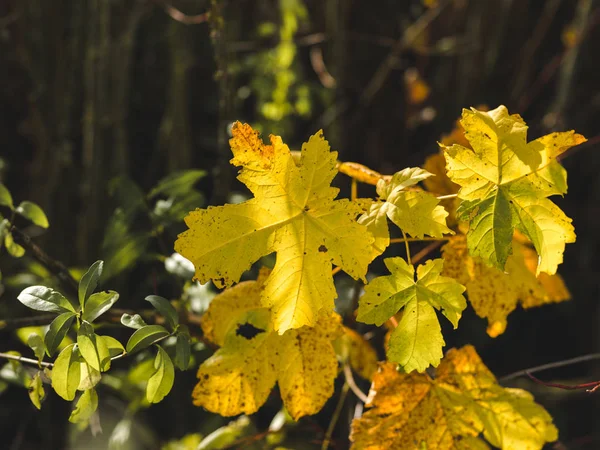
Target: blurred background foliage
{"points": [[115, 116]]}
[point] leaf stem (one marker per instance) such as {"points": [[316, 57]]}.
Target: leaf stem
{"points": [[353, 386], [335, 416], [354, 190], [407, 247], [445, 197]]}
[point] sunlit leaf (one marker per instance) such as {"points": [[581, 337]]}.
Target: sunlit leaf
{"points": [[42, 298], [36, 343], [145, 337], [98, 303], [36, 390], [57, 331], [5, 197], [85, 407], [136, 322], [93, 349], [34, 213], [89, 282], [161, 382], [66, 373]]}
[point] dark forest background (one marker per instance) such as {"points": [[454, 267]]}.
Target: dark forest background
{"points": [[100, 99]]}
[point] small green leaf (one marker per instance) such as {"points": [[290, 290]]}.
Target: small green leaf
{"points": [[145, 337], [57, 331], [42, 298], [33, 212], [89, 281], [89, 377], [5, 197], [12, 247], [66, 373], [93, 349], [36, 343], [161, 382], [136, 322], [85, 407], [177, 184], [98, 304], [164, 307], [36, 390], [115, 348], [182, 351]]}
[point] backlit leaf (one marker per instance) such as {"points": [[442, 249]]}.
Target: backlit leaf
{"points": [[239, 377], [417, 341], [161, 382], [12, 247], [66, 373], [136, 322], [36, 343], [5, 197], [504, 184], [494, 294], [93, 349], [145, 337], [33, 212], [89, 282], [98, 303], [293, 214], [417, 213], [57, 331], [85, 407], [42, 298], [463, 407], [36, 390]]}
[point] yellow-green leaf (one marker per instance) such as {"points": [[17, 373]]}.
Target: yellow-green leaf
{"points": [[85, 407], [504, 184], [417, 213], [33, 212], [57, 331], [36, 390], [463, 407], [239, 377], [417, 341], [293, 214], [355, 350], [92, 348], [161, 381], [66, 373]]}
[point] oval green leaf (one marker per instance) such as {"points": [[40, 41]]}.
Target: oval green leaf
{"points": [[145, 337], [85, 407], [115, 348], [42, 298], [136, 322], [33, 212], [182, 351], [12, 247], [89, 377], [57, 331], [93, 349], [161, 382], [89, 281], [164, 307], [36, 390], [36, 343], [66, 372], [98, 304], [5, 197]]}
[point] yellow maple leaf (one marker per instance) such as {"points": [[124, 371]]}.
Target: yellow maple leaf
{"points": [[354, 349], [494, 294], [239, 377], [504, 184], [463, 407], [294, 214], [416, 212]]}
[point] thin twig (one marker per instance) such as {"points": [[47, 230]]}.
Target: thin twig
{"points": [[444, 197], [180, 17], [352, 384], [423, 239], [593, 385], [554, 365], [335, 417], [25, 360], [426, 251]]}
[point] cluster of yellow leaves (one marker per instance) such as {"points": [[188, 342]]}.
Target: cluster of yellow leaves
{"points": [[239, 377], [493, 293], [294, 214], [461, 408], [504, 184]]}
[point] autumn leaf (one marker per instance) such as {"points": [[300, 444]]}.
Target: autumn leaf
{"points": [[239, 377], [417, 341], [416, 212], [463, 407], [293, 214], [494, 294], [504, 184]]}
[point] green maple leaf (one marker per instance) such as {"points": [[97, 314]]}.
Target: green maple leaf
{"points": [[504, 184], [417, 213], [293, 214], [417, 341]]}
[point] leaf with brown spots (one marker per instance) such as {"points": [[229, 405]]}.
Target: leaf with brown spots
{"points": [[505, 182], [495, 294], [463, 407], [239, 377], [293, 213]]}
